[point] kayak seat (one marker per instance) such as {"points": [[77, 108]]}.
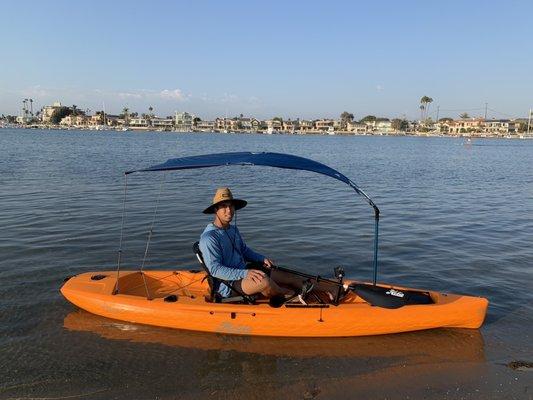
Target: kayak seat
{"points": [[214, 284]]}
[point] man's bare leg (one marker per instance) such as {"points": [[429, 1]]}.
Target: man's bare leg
{"points": [[266, 286]]}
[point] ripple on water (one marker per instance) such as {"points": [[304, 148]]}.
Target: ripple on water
{"points": [[452, 219]]}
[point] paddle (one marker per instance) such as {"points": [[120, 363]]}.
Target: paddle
{"points": [[386, 297]]}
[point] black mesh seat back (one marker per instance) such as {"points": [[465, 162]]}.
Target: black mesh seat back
{"points": [[213, 282]]}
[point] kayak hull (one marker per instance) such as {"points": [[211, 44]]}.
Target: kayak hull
{"points": [[141, 299]]}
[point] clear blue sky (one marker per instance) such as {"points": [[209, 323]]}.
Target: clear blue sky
{"points": [[292, 59]]}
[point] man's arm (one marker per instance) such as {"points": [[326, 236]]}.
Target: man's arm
{"points": [[212, 252]]}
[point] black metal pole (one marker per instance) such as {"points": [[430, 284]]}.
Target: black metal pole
{"points": [[376, 233]]}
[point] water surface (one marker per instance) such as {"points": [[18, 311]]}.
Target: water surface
{"points": [[454, 217]]}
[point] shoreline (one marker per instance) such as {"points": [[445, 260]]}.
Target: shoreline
{"points": [[245, 132]]}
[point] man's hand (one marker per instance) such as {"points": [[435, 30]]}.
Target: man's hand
{"points": [[268, 263], [255, 275]]}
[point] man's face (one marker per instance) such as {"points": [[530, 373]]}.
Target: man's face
{"points": [[225, 212]]}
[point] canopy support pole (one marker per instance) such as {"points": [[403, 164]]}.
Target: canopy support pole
{"points": [[376, 229], [121, 231], [150, 233]]}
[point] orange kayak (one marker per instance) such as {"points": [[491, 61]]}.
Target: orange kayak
{"points": [[177, 299]]}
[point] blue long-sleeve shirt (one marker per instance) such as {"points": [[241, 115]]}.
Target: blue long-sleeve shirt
{"points": [[225, 254]]}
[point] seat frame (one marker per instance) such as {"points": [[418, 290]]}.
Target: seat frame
{"points": [[214, 284]]}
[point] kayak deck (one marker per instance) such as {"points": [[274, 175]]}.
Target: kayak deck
{"points": [[188, 308]]}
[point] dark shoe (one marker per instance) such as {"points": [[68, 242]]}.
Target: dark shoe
{"points": [[277, 301]]}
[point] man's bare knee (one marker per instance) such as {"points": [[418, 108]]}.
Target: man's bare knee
{"points": [[251, 287]]}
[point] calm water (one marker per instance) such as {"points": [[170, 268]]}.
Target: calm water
{"points": [[455, 218]]}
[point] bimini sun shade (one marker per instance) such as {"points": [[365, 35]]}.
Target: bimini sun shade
{"points": [[277, 160]]}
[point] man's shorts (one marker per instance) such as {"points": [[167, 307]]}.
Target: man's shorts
{"points": [[236, 289]]}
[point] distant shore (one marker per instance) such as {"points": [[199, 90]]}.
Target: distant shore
{"points": [[310, 133]]}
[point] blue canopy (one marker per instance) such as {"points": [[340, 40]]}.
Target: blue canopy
{"points": [[277, 160]]}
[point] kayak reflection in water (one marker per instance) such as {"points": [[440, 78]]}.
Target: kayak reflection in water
{"points": [[225, 254]]}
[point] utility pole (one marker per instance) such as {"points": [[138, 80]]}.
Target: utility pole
{"points": [[486, 111], [438, 108]]}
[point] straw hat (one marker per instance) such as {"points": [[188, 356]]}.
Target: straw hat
{"points": [[224, 194]]}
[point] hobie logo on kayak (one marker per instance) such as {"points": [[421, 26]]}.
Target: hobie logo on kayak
{"points": [[394, 292]]}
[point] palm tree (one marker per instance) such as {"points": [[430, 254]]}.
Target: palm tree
{"points": [[429, 100], [150, 109], [425, 101]]}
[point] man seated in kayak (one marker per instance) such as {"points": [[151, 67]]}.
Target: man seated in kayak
{"points": [[225, 253]]}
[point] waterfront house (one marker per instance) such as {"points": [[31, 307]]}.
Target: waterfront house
{"points": [[162, 123], [324, 125], [274, 125], [74, 120], [306, 125], [48, 111], [229, 124], [521, 124], [443, 126], [255, 124], [96, 120], [66, 121], [471, 126], [184, 121], [356, 127], [234, 124], [384, 125], [206, 126], [223, 124], [69, 120], [138, 123], [290, 126], [249, 124], [500, 127], [339, 125], [379, 125]]}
